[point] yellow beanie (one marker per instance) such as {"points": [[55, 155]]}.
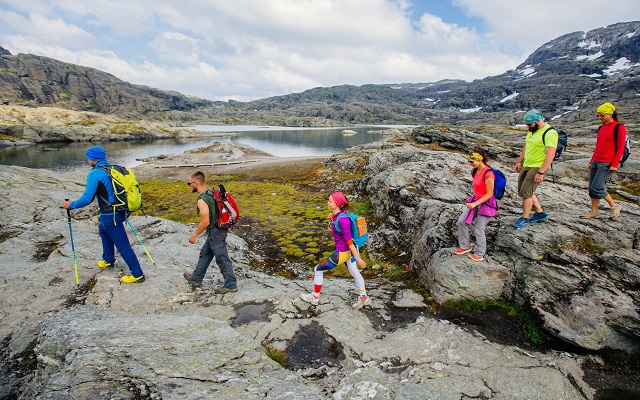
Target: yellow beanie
{"points": [[606, 108]]}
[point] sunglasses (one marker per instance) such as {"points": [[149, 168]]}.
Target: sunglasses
{"points": [[600, 115], [189, 183], [531, 124]]}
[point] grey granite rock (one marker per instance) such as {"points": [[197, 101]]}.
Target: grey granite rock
{"points": [[164, 339], [579, 275]]}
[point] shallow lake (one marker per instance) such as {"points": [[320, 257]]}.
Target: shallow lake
{"points": [[278, 141]]}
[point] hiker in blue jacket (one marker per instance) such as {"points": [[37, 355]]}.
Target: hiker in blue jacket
{"points": [[111, 226]]}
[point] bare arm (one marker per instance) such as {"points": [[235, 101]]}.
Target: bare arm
{"points": [[203, 210], [551, 153], [489, 184], [520, 159]]}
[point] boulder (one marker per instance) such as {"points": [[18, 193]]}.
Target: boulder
{"points": [[456, 278]]}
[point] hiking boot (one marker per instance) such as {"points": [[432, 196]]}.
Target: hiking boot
{"points": [[475, 257], [463, 251], [522, 222], [362, 301], [104, 264], [193, 283], [591, 214], [311, 299], [223, 290], [539, 217], [615, 211], [132, 279]]}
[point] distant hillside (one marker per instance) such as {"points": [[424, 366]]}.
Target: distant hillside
{"points": [[566, 78], [36, 80]]}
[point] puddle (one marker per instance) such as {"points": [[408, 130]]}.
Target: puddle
{"points": [[396, 317], [250, 312], [312, 347]]}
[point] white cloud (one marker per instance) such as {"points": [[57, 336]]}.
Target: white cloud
{"points": [[45, 31], [531, 24], [248, 49], [176, 48]]}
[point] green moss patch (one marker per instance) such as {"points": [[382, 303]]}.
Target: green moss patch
{"points": [[289, 221]]}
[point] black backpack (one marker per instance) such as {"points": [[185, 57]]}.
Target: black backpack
{"points": [[562, 141], [627, 144]]}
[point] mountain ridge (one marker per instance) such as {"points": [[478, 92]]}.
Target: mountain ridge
{"points": [[565, 78], [45, 81]]}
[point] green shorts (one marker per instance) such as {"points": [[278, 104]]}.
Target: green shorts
{"points": [[526, 185]]}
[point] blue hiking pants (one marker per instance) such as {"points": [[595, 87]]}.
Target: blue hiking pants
{"points": [[113, 234]]}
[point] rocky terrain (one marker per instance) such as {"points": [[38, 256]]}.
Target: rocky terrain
{"points": [[579, 275], [21, 125], [162, 339]]}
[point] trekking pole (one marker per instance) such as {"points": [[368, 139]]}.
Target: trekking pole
{"points": [[73, 250], [140, 240]]}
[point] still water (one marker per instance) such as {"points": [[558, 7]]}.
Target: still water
{"points": [[278, 141]]}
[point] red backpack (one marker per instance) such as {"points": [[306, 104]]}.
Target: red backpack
{"points": [[228, 213]]}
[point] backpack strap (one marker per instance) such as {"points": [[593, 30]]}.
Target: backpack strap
{"points": [[615, 134], [545, 145], [106, 168], [341, 214], [484, 179], [545, 133], [484, 175], [210, 201]]}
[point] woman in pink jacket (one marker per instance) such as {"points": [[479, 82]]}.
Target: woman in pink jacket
{"points": [[480, 207]]}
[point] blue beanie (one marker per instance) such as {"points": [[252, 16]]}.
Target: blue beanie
{"points": [[96, 153], [532, 116]]}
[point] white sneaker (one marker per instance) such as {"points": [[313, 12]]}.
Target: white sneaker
{"points": [[615, 211], [361, 303], [309, 298]]}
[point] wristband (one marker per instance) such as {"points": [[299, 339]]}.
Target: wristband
{"points": [[541, 173]]}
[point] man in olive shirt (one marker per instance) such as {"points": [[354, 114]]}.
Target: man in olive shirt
{"points": [[216, 244], [533, 163]]}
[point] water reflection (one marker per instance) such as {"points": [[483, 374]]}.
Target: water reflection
{"points": [[278, 141], [71, 156], [302, 142]]}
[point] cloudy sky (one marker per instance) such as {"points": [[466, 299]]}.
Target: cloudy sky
{"points": [[251, 49]]}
